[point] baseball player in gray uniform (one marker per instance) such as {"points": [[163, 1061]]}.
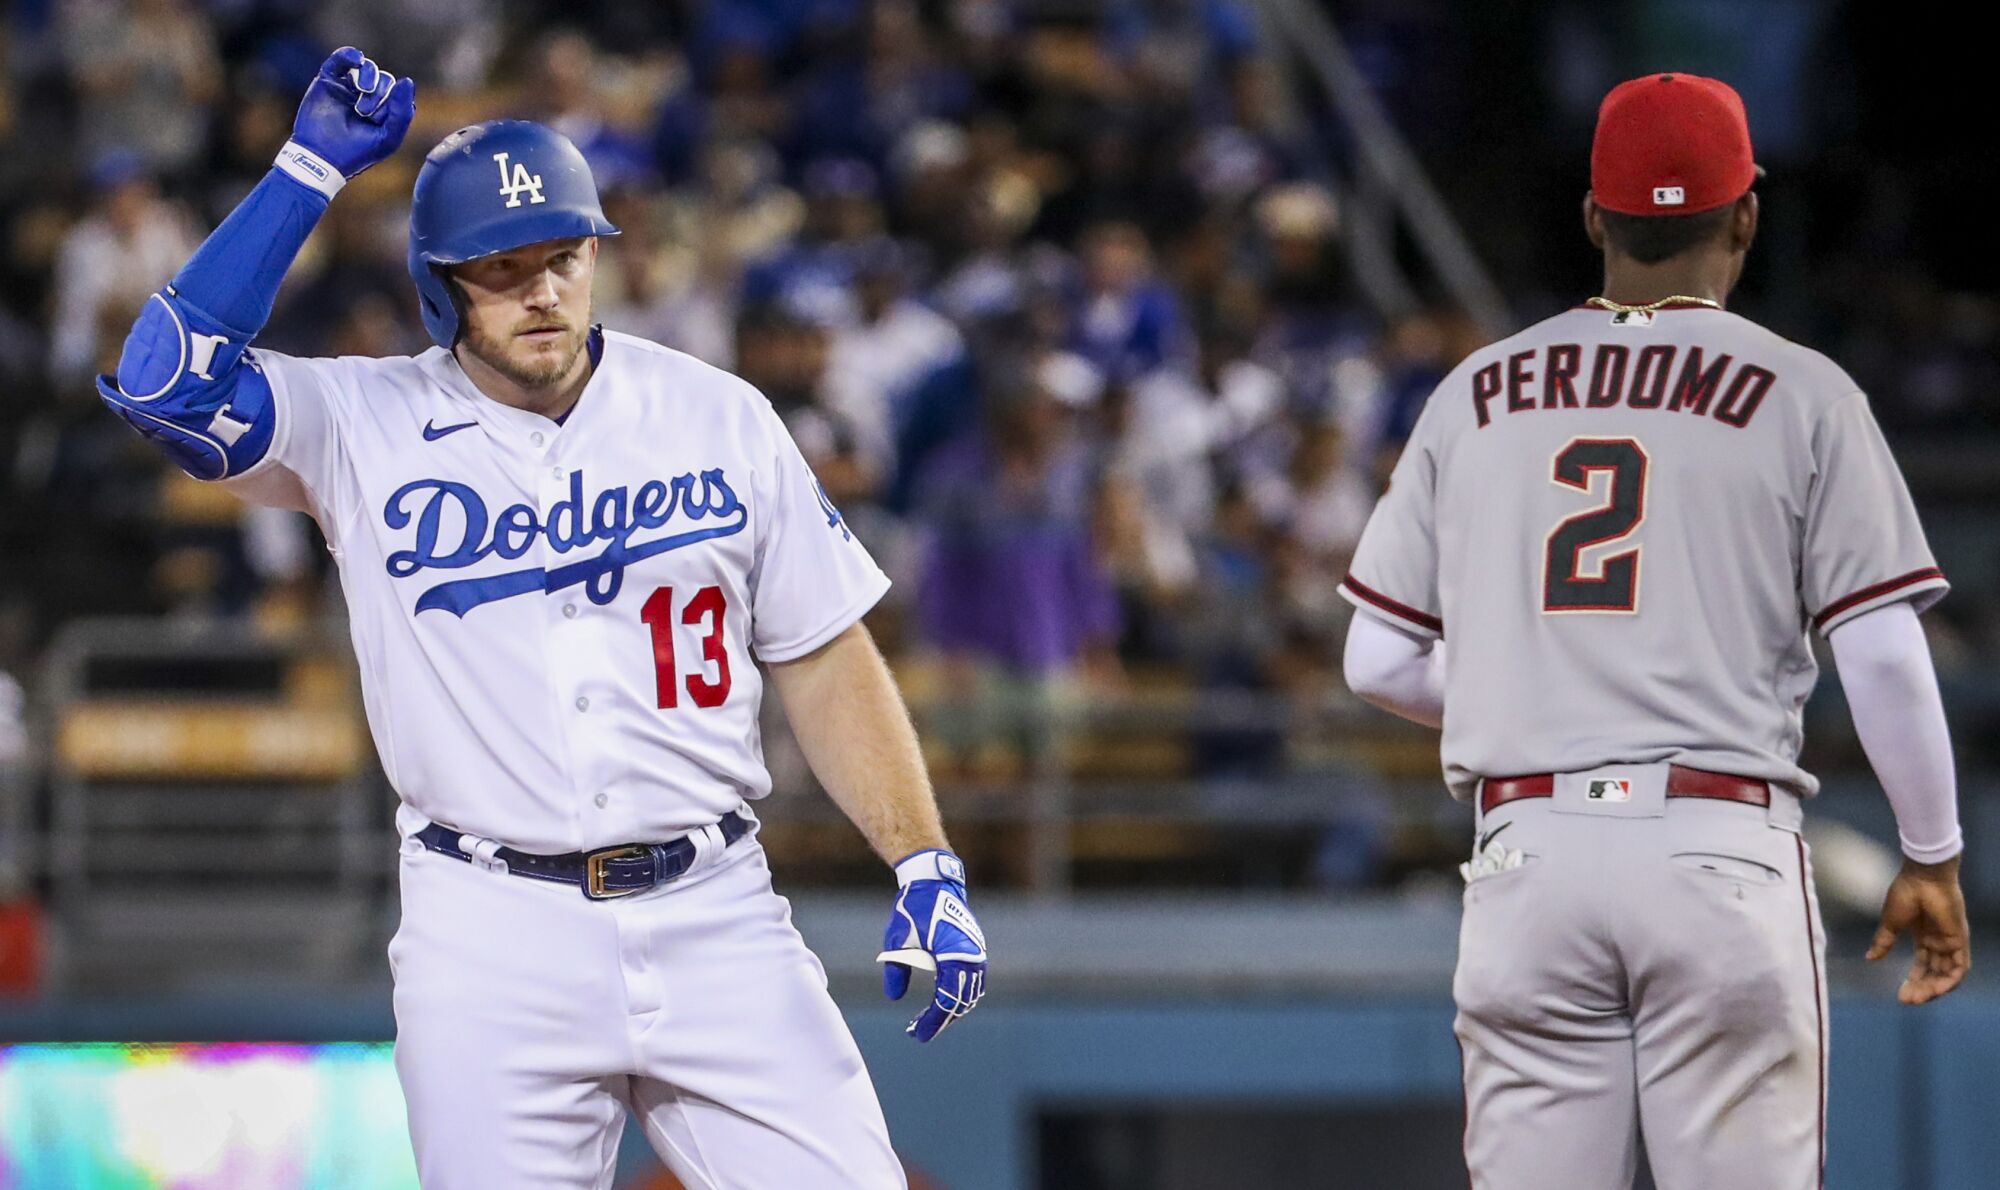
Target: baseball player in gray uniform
{"points": [[1597, 568]]}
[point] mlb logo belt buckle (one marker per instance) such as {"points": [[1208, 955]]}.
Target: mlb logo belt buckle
{"points": [[596, 879]]}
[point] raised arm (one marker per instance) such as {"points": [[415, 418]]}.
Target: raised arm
{"points": [[179, 381]]}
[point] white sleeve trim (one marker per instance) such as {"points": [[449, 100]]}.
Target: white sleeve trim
{"points": [[840, 622], [309, 169]]}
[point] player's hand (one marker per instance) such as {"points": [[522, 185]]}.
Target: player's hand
{"points": [[1926, 900], [355, 113], [931, 927]]}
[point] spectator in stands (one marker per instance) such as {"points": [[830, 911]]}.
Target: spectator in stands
{"points": [[1416, 355], [1229, 640], [874, 80], [990, 270], [1013, 594], [785, 356], [1315, 322], [1125, 321], [1188, 426], [814, 278], [1256, 144], [661, 288], [131, 241], [565, 89], [16, 623], [147, 74], [1327, 499], [450, 44], [725, 93], [255, 123], [934, 183], [896, 344]]}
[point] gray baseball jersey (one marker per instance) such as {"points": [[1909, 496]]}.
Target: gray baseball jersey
{"points": [[1625, 525]]}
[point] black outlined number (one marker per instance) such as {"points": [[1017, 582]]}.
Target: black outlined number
{"points": [[1612, 584]]}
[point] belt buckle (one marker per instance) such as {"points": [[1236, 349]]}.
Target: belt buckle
{"points": [[593, 872]]}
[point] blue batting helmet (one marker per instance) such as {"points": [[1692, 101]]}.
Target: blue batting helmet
{"points": [[491, 188]]}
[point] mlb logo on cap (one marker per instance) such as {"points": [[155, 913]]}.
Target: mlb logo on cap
{"points": [[1671, 144], [1608, 789]]}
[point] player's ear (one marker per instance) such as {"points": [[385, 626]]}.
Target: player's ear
{"points": [[1593, 221], [1743, 222]]}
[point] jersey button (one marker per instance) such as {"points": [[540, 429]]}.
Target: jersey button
{"points": [[537, 438], [557, 472], [582, 704], [569, 611], [601, 800]]}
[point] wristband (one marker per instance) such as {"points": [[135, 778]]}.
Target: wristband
{"points": [[310, 169], [932, 864]]}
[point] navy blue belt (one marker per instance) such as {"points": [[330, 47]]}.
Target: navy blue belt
{"points": [[603, 874]]}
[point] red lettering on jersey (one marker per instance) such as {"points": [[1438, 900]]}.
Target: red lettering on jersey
{"points": [[1697, 386], [1607, 375], [1559, 380], [1745, 394], [1485, 387], [1649, 376], [1519, 377]]}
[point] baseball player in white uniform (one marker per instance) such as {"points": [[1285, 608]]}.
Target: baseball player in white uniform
{"points": [[565, 555], [1597, 567]]}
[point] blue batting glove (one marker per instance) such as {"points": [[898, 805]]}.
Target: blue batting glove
{"points": [[932, 928], [354, 114]]}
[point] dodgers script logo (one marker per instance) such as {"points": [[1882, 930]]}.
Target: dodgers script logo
{"points": [[614, 516]]}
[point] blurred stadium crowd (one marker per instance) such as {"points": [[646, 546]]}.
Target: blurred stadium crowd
{"points": [[1056, 296], [1057, 306]]}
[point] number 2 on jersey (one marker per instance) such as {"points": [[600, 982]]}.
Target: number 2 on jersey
{"points": [[1613, 584], [658, 614]]}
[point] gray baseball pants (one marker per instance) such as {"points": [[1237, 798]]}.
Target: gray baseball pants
{"points": [[1654, 968]]}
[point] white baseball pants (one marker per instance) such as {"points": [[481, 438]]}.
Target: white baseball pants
{"points": [[529, 1020]]}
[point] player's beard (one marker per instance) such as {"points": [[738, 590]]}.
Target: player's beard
{"points": [[530, 365]]}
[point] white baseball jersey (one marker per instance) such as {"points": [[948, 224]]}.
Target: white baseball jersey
{"points": [[1624, 525], [558, 625]]}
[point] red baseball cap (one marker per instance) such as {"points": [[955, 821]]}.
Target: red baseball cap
{"points": [[1671, 144]]}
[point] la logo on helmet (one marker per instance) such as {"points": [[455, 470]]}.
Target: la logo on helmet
{"points": [[520, 181]]}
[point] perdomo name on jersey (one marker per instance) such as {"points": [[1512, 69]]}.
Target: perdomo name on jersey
{"points": [[1660, 376]]}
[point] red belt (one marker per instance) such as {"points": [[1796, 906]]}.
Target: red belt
{"points": [[1681, 782]]}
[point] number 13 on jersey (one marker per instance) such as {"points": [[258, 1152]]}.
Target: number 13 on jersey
{"points": [[706, 609], [1611, 584]]}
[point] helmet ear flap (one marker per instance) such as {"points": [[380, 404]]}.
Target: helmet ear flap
{"points": [[452, 294], [457, 295]]}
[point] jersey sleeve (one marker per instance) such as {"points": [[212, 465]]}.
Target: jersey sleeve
{"points": [[1395, 570], [813, 578], [301, 469], [1864, 547]]}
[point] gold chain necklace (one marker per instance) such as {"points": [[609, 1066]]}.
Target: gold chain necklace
{"points": [[1604, 303]]}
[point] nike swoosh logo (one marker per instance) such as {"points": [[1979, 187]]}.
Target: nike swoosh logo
{"points": [[1489, 834], [433, 433]]}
